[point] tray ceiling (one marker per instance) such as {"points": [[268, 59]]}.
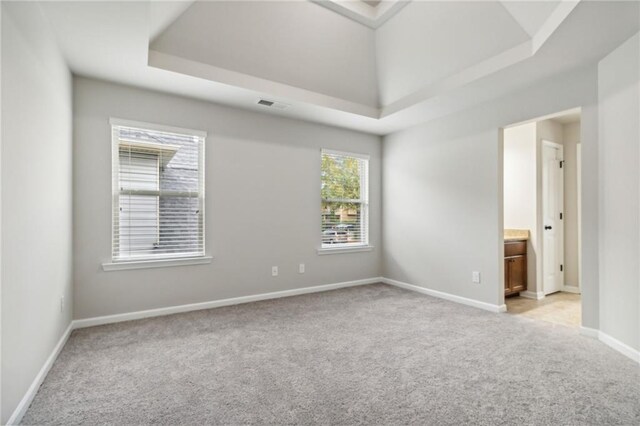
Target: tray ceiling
{"points": [[303, 52], [423, 62]]}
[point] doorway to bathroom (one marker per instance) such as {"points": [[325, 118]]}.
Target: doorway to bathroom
{"points": [[541, 199]]}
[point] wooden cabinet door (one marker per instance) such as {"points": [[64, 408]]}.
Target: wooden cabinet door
{"points": [[507, 280], [518, 273]]}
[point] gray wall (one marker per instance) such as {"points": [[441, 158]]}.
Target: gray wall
{"points": [[443, 191], [36, 198], [262, 180], [619, 109]]}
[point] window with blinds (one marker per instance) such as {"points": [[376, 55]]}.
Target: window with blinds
{"points": [[345, 199], [158, 192]]}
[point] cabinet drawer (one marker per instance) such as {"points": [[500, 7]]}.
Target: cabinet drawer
{"points": [[515, 248]]}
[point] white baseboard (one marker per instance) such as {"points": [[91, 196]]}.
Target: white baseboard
{"points": [[26, 400], [616, 344], [536, 295], [571, 289], [612, 342], [22, 407], [109, 319], [446, 296], [586, 331]]}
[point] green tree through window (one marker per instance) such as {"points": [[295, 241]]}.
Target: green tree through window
{"points": [[344, 199], [340, 178]]}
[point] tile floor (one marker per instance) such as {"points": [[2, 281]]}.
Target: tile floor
{"points": [[558, 308]]}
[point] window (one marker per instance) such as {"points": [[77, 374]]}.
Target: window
{"points": [[158, 192], [345, 199]]}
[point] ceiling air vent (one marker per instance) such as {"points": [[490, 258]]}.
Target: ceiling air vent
{"points": [[273, 104]]}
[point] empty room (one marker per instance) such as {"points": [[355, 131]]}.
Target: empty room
{"points": [[304, 212]]}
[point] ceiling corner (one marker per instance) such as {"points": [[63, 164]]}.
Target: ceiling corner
{"points": [[162, 14]]}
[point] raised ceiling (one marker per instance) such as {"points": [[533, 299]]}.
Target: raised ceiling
{"points": [[306, 51], [372, 14], [421, 63], [313, 54]]}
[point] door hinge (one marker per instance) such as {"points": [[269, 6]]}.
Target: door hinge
{"points": [[561, 268], [561, 163], [560, 216]]}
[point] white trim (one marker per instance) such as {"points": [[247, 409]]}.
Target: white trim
{"points": [[570, 289], [589, 332], [340, 250], [586, 331], [22, 407], [155, 263], [363, 201], [447, 296], [552, 23], [617, 345], [24, 404], [547, 142], [117, 142], [109, 319], [26, 400], [372, 17], [1, 286], [157, 127], [345, 154], [535, 295], [579, 212], [278, 92], [612, 342], [468, 75]]}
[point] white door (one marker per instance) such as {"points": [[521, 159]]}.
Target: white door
{"points": [[552, 217]]}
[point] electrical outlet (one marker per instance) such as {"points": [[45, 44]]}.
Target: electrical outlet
{"points": [[62, 304], [274, 271], [301, 268], [475, 277]]}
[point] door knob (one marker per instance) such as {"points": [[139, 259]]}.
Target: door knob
{"points": [[547, 227]]}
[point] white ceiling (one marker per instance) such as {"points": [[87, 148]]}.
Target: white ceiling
{"points": [[427, 42], [530, 15], [298, 44], [372, 14], [163, 13], [568, 118], [314, 55], [110, 40]]}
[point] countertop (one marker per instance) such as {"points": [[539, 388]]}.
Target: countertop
{"points": [[516, 234]]}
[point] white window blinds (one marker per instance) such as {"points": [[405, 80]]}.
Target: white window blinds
{"points": [[345, 199], [158, 192]]}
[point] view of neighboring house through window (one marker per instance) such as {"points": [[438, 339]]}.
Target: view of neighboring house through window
{"points": [[345, 199], [158, 192]]}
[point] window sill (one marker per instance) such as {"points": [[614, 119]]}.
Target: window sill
{"points": [[155, 263], [338, 250]]}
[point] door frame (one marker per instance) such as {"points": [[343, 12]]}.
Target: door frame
{"points": [[579, 212], [587, 217], [560, 234]]}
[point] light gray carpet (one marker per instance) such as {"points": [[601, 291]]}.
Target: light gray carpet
{"points": [[364, 355]]}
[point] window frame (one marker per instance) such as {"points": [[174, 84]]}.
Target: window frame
{"points": [[363, 201], [164, 259]]}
